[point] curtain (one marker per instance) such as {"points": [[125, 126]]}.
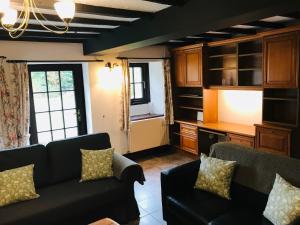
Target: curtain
{"points": [[14, 105], [169, 113], [125, 96]]}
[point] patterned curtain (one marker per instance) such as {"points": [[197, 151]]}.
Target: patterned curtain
{"points": [[125, 96], [169, 113], [14, 105]]}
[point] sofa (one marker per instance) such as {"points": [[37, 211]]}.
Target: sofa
{"points": [[252, 182], [63, 199]]}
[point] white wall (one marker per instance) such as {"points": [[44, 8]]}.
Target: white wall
{"points": [[242, 107]]}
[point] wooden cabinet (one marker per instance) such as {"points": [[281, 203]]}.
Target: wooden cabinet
{"points": [[273, 139], [241, 140], [281, 58], [188, 67], [189, 138]]}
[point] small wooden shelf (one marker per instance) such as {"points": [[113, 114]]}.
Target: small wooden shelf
{"points": [[220, 87], [222, 55], [251, 54], [190, 96], [191, 108], [248, 69], [220, 69], [280, 99]]}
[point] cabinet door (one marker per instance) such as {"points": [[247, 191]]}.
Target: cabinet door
{"points": [[194, 67], [273, 140], [180, 68], [241, 140], [281, 61]]}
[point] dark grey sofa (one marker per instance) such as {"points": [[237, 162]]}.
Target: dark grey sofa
{"points": [[252, 182], [63, 200]]}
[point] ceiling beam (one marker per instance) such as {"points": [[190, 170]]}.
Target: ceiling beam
{"points": [[215, 35], [192, 18], [264, 24], [105, 11], [169, 2], [40, 39], [233, 30]]}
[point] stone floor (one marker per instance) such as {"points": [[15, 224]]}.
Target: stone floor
{"points": [[149, 195]]}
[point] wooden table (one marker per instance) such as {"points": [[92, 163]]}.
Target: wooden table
{"points": [[105, 221]]}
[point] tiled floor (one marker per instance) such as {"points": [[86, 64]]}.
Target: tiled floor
{"points": [[149, 195]]}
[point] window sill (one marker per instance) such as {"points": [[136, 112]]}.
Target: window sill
{"points": [[145, 116]]}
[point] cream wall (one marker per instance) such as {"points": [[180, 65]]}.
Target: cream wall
{"points": [[242, 107]]}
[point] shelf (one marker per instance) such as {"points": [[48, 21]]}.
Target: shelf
{"points": [[191, 108], [249, 69], [251, 54], [250, 88], [190, 96], [281, 99], [222, 55], [219, 69]]}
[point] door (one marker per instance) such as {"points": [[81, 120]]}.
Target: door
{"points": [[57, 102], [193, 67], [180, 68], [281, 61]]}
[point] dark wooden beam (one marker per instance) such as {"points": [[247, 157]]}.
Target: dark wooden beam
{"points": [[233, 30], [169, 2], [295, 15], [192, 18], [55, 18], [214, 35], [41, 39], [264, 24], [100, 10]]}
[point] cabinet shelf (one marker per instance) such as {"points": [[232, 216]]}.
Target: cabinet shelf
{"points": [[191, 108], [249, 69], [280, 99], [220, 69], [251, 54], [222, 55], [223, 87], [190, 96]]}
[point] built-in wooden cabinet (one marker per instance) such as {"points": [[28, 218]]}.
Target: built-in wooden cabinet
{"points": [[273, 139], [281, 59], [188, 67], [241, 140], [189, 138]]}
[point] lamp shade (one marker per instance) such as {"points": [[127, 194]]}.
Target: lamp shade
{"points": [[65, 9], [10, 17]]}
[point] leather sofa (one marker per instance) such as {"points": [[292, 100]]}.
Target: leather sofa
{"points": [[63, 199], [252, 182]]}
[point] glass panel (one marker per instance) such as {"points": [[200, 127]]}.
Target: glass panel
{"points": [[57, 120], [53, 81], [137, 74], [138, 90], [67, 83], [44, 138], [70, 118], [40, 102], [71, 132], [69, 99], [38, 81], [131, 74], [131, 92], [58, 135], [55, 101], [42, 121]]}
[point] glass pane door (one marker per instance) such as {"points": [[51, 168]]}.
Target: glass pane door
{"points": [[57, 102]]}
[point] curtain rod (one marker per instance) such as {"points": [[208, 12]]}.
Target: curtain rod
{"points": [[50, 61], [142, 58]]}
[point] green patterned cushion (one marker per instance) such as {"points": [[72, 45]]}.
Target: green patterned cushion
{"points": [[96, 164], [215, 176], [17, 185], [283, 205]]}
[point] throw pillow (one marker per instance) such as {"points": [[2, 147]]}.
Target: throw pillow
{"points": [[215, 176], [96, 164], [17, 185], [283, 206]]}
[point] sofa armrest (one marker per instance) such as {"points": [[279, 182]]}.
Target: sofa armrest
{"points": [[127, 170]]}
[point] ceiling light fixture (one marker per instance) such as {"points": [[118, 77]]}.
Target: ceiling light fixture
{"points": [[16, 23]]}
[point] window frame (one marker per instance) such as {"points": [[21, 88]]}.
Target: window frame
{"points": [[146, 87], [78, 91]]}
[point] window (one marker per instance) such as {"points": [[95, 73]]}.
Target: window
{"points": [[57, 108], [139, 78]]}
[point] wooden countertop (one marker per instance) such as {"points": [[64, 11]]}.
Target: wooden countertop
{"points": [[223, 127]]}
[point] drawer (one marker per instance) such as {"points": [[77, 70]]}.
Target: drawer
{"points": [[189, 144], [188, 130], [241, 140], [275, 140]]}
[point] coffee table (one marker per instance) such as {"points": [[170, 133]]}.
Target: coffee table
{"points": [[105, 221]]}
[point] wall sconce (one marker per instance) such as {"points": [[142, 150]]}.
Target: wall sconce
{"points": [[110, 65]]}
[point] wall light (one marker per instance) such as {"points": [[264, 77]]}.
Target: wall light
{"points": [[111, 65]]}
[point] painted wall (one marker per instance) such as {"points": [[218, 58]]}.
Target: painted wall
{"points": [[242, 107]]}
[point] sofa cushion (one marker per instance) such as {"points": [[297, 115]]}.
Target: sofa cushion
{"points": [[62, 202], [241, 216], [35, 154], [199, 206], [65, 155]]}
